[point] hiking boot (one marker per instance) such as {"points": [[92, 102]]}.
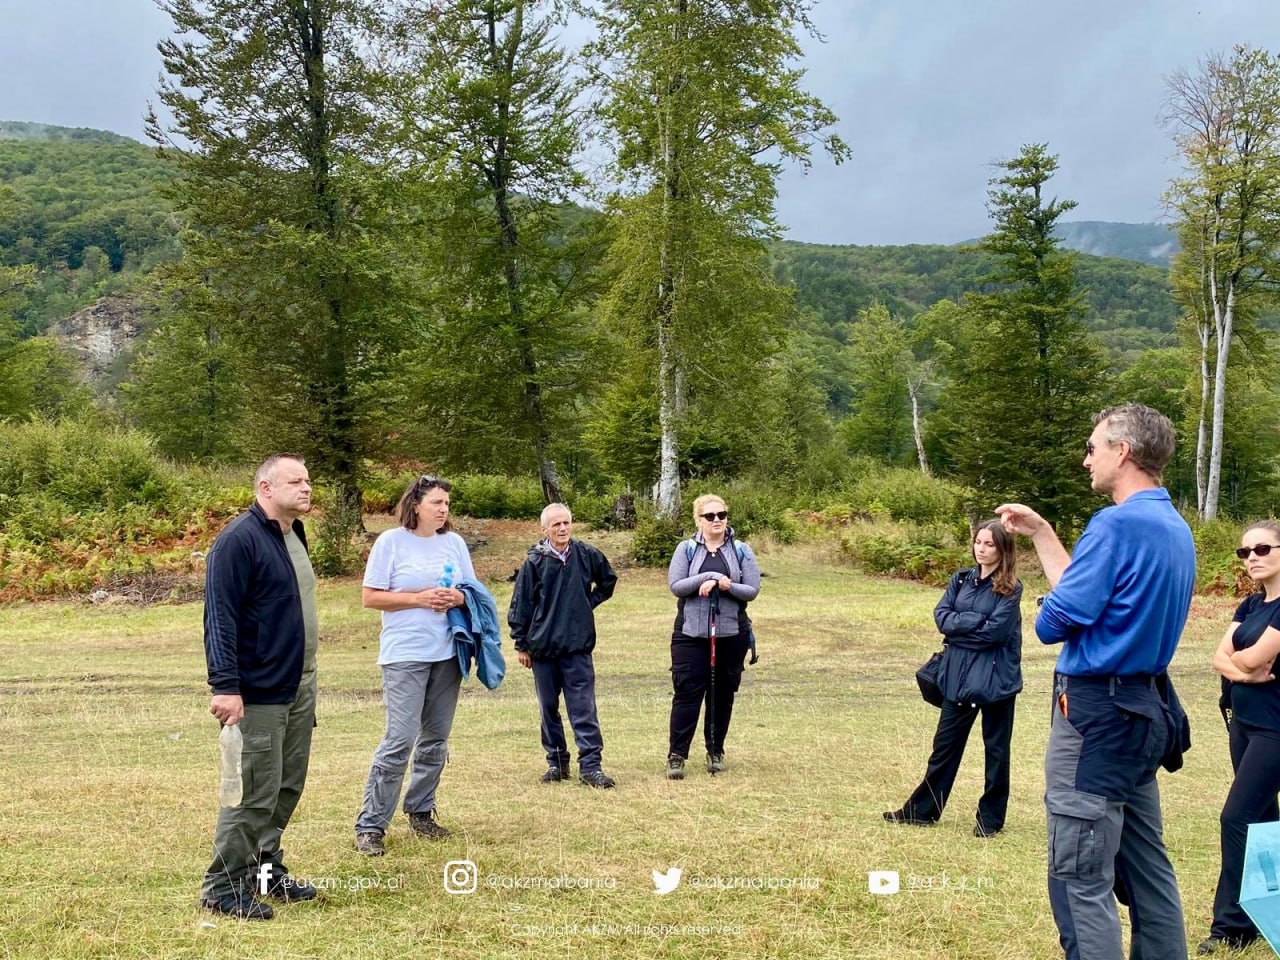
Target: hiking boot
{"points": [[284, 887], [902, 817], [1215, 943], [424, 825], [370, 844], [715, 763], [595, 778], [242, 905], [980, 831], [555, 774], [675, 768]]}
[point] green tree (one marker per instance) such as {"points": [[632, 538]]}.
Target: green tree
{"points": [[295, 226], [1226, 122], [494, 130], [881, 360], [1025, 380], [704, 100]]}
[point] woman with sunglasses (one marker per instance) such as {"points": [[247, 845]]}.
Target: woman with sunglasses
{"points": [[1244, 658], [713, 576], [411, 577], [980, 619]]}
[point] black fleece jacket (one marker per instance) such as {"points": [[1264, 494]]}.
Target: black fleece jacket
{"points": [[552, 606], [254, 636]]}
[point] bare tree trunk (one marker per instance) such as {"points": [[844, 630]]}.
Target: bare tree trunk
{"points": [[1224, 320], [670, 375], [913, 388], [1201, 448]]}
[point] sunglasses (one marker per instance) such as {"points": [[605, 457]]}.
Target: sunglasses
{"points": [[1261, 550], [721, 515]]}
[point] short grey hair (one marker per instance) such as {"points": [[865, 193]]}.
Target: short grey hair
{"points": [[1148, 432], [267, 469], [546, 512]]}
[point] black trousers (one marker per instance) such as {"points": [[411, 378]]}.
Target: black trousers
{"points": [[954, 724], [691, 678], [573, 675], [1255, 757]]}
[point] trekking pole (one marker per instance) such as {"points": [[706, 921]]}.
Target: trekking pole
{"points": [[711, 698]]}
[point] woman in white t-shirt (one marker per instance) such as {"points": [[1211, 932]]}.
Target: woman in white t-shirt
{"points": [[411, 577]]}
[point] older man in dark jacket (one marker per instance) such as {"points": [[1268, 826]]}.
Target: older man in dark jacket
{"points": [[552, 620]]}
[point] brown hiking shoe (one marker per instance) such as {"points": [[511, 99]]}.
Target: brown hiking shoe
{"points": [[424, 825], [370, 844]]}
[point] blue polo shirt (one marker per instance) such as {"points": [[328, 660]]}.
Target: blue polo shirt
{"points": [[1122, 602]]}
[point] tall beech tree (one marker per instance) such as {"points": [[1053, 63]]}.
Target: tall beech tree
{"points": [[704, 101], [1225, 119], [491, 125], [293, 229]]}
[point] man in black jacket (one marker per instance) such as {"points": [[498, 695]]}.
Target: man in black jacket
{"points": [[552, 619], [260, 638]]}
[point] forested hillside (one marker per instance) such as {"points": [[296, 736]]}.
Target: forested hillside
{"points": [[1129, 306], [83, 208]]}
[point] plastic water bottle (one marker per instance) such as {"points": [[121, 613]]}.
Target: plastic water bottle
{"points": [[446, 576], [230, 745]]}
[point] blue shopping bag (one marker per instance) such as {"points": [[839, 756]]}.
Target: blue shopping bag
{"points": [[1260, 886]]}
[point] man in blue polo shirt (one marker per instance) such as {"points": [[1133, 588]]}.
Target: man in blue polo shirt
{"points": [[1118, 605]]}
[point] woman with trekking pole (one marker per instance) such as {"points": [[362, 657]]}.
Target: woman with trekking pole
{"points": [[713, 575]]}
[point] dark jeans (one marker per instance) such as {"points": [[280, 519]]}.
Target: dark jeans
{"points": [[1104, 823], [954, 724], [1255, 757], [691, 678], [573, 675]]}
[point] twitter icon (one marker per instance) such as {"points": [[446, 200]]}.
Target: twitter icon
{"points": [[664, 883]]}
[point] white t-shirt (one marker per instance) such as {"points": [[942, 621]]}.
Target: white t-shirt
{"points": [[403, 561]]}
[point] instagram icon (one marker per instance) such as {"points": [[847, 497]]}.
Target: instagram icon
{"points": [[460, 876]]}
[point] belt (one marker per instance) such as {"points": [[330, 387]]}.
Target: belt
{"points": [[1111, 681]]}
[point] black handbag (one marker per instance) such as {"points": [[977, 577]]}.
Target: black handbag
{"points": [[927, 679]]}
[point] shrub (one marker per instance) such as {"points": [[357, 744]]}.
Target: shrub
{"points": [[496, 497], [335, 551], [927, 553], [655, 541], [1217, 568]]}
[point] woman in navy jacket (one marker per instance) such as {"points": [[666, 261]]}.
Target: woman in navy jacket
{"points": [[981, 624], [1245, 657]]}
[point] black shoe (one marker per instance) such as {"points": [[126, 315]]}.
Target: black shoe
{"points": [[715, 763], [285, 888], [675, 768], [370, 844], [242, 906], [555, 774], [1215, 943], [980, 831], [424, 825], [595, 778], [902, 817]]}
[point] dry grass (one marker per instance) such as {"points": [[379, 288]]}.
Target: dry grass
{"points": [[109, 792]]}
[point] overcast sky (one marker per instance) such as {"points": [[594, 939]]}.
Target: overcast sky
{"points": [[929, 93]]}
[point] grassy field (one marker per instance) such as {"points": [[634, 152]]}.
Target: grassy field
{"points": [[108, 796]]}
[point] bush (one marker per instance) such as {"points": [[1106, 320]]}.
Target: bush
{"points": [[496, 497], [927, 553], [335, 551], [655, 541], [1217, 568], [83, 506], [909, 496]]}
